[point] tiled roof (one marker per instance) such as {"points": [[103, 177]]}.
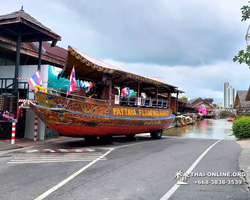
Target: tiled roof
{"points": [[188, 105], [192, 100], [248, 95], [242, 97], [18, 15], [53, 52], [182, 101], [56, 51]]}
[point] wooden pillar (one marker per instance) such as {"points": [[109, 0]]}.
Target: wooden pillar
{"points": [[110, 89], [120, 103], [40, 54], [177, 102], [138, 93], [18, 48], [156, 97], [169, 100]]}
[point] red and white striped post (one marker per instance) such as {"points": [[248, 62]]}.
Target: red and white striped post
{"points": [[35, 130], [13, 133]]}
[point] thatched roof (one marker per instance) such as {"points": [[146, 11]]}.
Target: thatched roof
{"points": [[32, 29], [248, 95], [240, 100]]}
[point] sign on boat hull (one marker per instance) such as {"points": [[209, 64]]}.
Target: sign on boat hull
{"points": [[80, 118]]}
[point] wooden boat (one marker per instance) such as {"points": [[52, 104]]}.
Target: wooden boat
{"points": [[187, 119], [194, 118], [82, 116], [180, 121], [177, 120], [199, 117], [191, 120], [230, 119]]}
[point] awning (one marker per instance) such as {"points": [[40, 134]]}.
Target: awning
{"points": [[88, 67]]}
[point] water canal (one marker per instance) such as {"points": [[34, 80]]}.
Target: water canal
{"points": [[207, 129]]}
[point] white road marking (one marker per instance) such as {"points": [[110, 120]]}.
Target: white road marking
{"points": [[62, 157], [62, 150], [13, 150], [52, 161], [175, 187], [45, 194], [32, 151], [127, 145]]}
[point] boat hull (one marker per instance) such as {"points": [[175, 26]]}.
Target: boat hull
{"points": [[80, 119], [230, 119], [68, 130]]}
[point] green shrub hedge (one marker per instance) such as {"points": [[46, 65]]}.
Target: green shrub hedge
{"points": [[242, 115], [225, 114], [241, 127]]}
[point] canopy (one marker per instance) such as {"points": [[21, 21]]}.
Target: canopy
{"points": [[90, 68]]}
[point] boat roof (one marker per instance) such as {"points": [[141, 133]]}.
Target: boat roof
{"points": [[92, 69]]}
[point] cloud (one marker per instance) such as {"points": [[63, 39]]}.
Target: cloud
{"points": [[204, 81], [163, 32], [189, 43]]}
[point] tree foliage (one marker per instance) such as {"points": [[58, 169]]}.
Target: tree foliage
{"points": [[225, 114], [241, 127], [184, 98], [244, 55], [245, 10]]}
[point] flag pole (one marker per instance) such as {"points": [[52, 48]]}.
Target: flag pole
{"points": [[72, 81]]}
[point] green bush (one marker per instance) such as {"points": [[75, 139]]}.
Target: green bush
{"points": [[225, 114], [241, 127], [242, 115]]}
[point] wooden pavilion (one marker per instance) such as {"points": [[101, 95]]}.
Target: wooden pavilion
{"points": [[19, 27]]}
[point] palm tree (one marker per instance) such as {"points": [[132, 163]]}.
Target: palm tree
{"points": [[185, 177], [178, 174]]}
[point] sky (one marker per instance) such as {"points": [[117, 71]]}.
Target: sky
{"points": [[191, 44]]}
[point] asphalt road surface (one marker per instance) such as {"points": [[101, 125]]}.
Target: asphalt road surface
{"points": [[141, 169]]}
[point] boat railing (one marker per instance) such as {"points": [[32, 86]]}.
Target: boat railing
{"points": [[72, 95], [147, 102], [160, 103]]}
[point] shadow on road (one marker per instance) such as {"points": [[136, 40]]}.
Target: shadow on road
{"points": [[117, 140]]}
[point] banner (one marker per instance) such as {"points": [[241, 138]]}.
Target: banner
{"points": [[139, 101], [8, 107], [117, 99]]}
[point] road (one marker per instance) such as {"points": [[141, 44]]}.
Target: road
{"points": [[141, 169]]}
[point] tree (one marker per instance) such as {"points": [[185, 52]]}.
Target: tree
{"points": [[244, 55], [178, 174], [184, 98]]}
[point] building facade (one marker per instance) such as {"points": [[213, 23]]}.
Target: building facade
{"points": [[225, 94], [228, 95], [242, 103], [231, 96]]}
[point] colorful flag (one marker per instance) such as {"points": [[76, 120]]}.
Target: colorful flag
{"points": [[36, 79], [72, 82]]}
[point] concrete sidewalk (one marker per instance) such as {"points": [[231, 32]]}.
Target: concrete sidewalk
{"points": [[7, 146], [22, 143], [244, 160]]}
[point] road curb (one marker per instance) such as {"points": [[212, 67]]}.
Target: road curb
{"points": [[244, 165], [59, 150]]}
